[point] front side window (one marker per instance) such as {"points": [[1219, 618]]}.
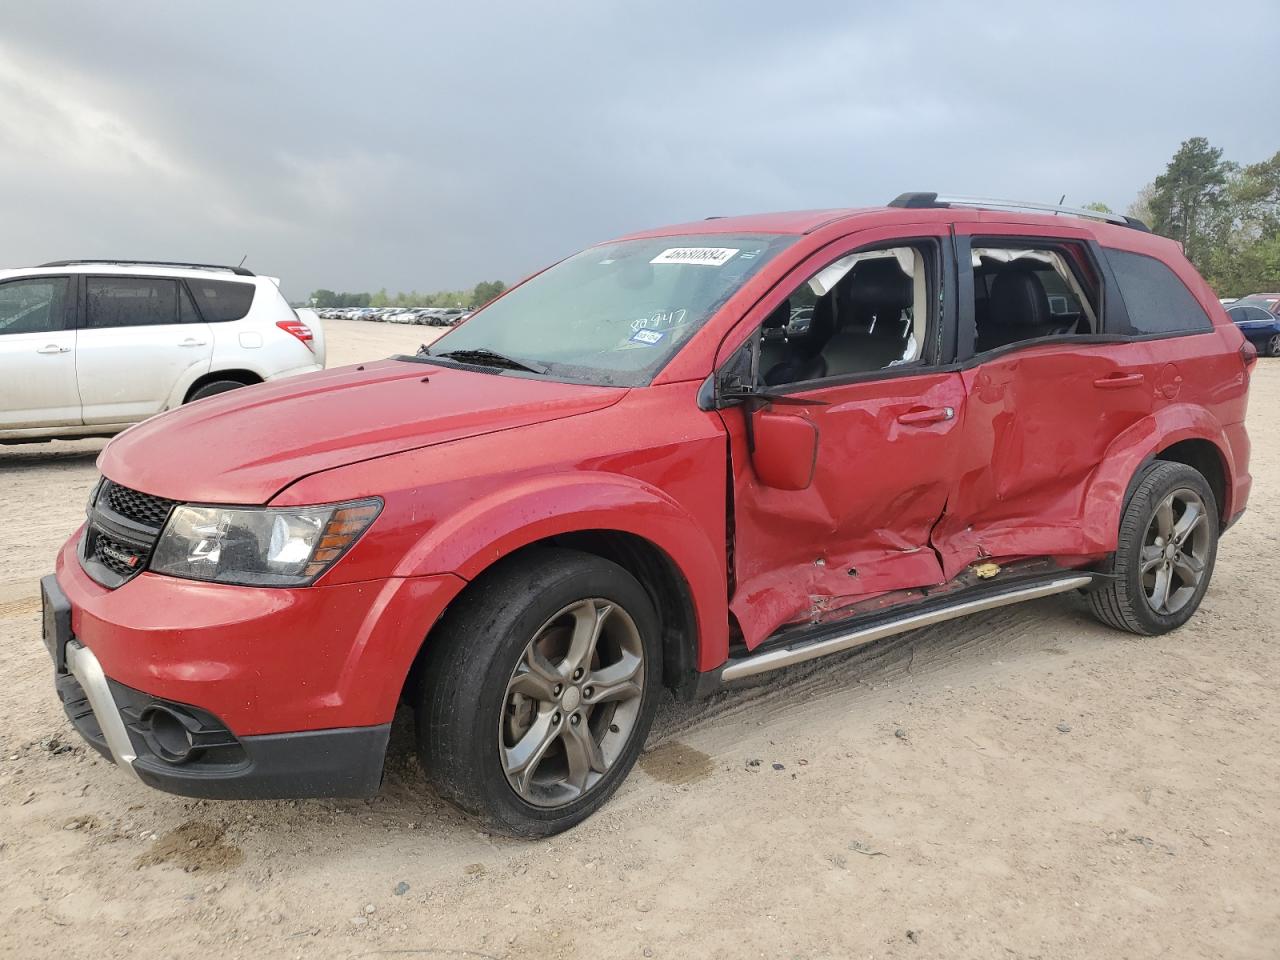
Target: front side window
{"points": [[130, 302], [612, 315], [864, 313], [33, 305], [1157, 301], [1022, 293]]}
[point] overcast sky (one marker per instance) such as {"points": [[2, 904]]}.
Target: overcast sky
{"points": [[419, 145]]}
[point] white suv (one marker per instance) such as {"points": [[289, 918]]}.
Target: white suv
{"points": [[89, 347]]}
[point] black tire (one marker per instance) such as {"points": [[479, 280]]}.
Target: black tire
{"points": [[470, 659], [1123, 603], [214, 388], [1272, 347]]}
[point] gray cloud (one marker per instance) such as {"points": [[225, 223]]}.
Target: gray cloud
{"points": [[412, 145]]}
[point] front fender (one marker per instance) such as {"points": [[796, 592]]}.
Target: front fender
{"points": [[485, 530], [1107, 491]]}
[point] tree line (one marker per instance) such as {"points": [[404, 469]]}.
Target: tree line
{"points": [[1225, 215], [478, 296]]}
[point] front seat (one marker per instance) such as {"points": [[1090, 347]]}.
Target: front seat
{"points": [[872, 333], [1018, 309]]}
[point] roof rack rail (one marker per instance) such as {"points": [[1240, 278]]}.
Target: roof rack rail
{"points": [[238, 271], [919, 200]]}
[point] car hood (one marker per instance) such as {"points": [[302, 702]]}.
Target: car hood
{"points": [[247, 445]]}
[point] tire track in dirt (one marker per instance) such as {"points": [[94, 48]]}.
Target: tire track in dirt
{"points": [[959, 650]]}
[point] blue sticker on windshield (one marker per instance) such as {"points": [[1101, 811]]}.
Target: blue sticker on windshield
{"points": [[649, 337]]}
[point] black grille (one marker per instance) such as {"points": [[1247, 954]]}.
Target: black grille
{"points": [[139, 507], [118, 557], [124, 525]]}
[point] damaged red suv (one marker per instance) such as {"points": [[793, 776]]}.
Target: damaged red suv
{"points": [[674, 460]]}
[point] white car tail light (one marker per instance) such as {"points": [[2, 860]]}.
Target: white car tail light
{"points": [[299, 330]]}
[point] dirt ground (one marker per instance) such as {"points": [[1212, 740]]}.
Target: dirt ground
{"points": [[1021, 784]]}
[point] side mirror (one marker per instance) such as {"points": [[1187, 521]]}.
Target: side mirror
{"points": [[786, 449]]}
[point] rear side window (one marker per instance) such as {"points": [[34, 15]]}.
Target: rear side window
{"points": [[222, 300], [36, 305], [1157, 301], [130, 302]]}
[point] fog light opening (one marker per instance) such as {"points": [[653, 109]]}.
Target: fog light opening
{"points": [[168, 735]]}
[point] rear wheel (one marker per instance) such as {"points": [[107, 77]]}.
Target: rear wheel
{"points": [[213, 389], [539, 690], [1273, 345], [1165, 554]]}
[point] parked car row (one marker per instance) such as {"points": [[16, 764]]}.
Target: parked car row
{"points": [[422, 316]]}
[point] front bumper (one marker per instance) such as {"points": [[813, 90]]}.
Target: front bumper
{"points": [[296, 371], [212, 690], [263, 660], [185, 750]]}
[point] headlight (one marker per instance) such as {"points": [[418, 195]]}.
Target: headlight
{"points": [[259, 546]]}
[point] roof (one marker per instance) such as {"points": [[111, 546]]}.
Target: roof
{"points": [[790, 222], [239, 271], [129, 269]]}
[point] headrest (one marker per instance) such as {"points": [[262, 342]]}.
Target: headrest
{"points": [[1018, 298], [878, 284]]}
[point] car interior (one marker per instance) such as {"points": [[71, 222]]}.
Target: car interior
{"points": [[1024, 295], [857, 315], [866, 312]]}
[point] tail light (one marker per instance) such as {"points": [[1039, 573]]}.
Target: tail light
{"points": [[1248, 355], [300, 330]]}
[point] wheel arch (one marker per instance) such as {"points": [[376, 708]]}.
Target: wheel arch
{"points": [[1206, 458], [618, 519], [1180, 433]]}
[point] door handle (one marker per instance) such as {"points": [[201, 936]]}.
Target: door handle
{"points": [[191, 342], [932, 415], [53, 348], [1119, 380]]}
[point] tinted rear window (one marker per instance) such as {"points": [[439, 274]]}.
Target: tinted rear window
{"points": [[222, 300], [1157, 301]]}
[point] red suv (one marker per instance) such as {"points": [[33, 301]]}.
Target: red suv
{"points": [[674, 460]]}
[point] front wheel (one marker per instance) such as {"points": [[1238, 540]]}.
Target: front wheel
{"points": [[1165, 554], [539, 689], [1273, 345]]}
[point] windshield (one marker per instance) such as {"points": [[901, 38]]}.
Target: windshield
{"points": [[612, 315]]}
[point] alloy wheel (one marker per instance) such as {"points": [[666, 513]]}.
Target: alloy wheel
{"points": [[1175, 551], [572, 702], [1273, 345]]}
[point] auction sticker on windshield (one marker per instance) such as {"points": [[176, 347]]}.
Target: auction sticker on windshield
{"points": [[697, 256]]}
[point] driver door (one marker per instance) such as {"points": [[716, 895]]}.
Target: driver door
{"points": [[844, 466]]}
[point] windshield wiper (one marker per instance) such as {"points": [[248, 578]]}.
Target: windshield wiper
{"points": [[489, 358]]}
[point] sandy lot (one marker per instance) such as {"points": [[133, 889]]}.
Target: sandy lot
{"points": [[1021, 784]]}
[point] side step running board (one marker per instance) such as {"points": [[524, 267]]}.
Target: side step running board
{"points": [[778, 658]]}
